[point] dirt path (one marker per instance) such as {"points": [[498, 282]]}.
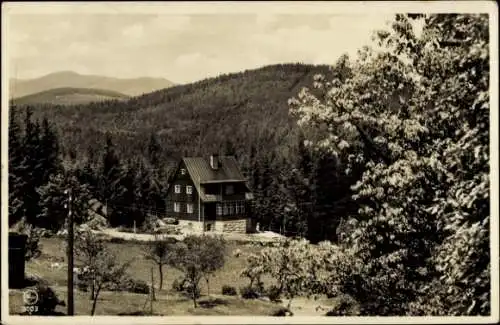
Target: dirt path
{"points": [[259, 237]]}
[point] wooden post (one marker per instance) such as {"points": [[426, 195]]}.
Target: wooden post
{"points": [[70, 255]]}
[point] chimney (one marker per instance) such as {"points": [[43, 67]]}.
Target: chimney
{"points": [[214, 161]]}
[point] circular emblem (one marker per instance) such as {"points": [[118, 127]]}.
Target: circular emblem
{"points": [[30, 297]]}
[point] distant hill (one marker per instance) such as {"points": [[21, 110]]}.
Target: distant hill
{"points": [[69, 79], [69, 96], [231, 112]]}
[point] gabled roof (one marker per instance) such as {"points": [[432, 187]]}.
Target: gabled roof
{"points": [[201, 172]]}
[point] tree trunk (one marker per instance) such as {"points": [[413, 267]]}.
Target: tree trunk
{"points": [[208, 286], [94, 303], [160, 268], [92, 290], [194, 289], [289, 304]]}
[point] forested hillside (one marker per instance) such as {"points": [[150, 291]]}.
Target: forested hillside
{"points": [[244, 114]]}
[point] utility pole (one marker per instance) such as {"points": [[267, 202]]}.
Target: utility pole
{"points": [[70, 254]]}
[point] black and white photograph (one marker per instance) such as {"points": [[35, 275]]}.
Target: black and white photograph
{"points": [[260, 162]]}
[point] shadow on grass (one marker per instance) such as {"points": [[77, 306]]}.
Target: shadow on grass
{"points": [[212, 302], [138, 313]]}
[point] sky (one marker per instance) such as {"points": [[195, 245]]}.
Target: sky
{"points": [[180, 47]]}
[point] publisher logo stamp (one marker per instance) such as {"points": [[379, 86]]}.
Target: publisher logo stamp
{"points": [[30, 298]]}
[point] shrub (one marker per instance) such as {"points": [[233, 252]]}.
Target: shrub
{"points": [[117, 240], [346, 306], [282, 311], [229, 291], [138, 286], [47, 300], [128, 284], [178, 285], [189, 288], [249, 292], [274, 293]]}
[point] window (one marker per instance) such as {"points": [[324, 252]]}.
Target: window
{"points": [[189, 189], [225, 209], [190, 208], [183, 171], [177, 207], [242, 207], [219, 209], [238, 204], [231, 208], [229, 189], [177, 189]]}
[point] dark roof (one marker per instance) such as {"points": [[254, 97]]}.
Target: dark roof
{"points": [[200, 170], [202, 173]]}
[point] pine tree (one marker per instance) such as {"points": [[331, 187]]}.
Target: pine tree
{"points": [[49, 151], [32, 168], [154, 150], [16, 177]]}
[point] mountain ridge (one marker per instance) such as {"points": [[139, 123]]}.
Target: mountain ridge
{"points": [[69, 96], [71, 79]]}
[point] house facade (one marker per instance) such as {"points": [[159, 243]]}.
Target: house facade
{"points": [[210, 194]]}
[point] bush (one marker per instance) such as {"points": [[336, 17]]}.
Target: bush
{"points": [[282, 311], [188, 289], [130, 285], [47, 300], [346, 306], [138, 286], [117, 240], [274, 293], [178, 285], [249, 292], [229, 291]]}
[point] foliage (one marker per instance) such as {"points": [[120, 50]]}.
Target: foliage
{"points": [[54, 201], [33, 159], [178, 284], [47, 301], [158, 251], [414, 117], [345, 306], [282, 311], [249, 292], [195, 258], [102, 266], [229, 290], [274, 293], [33, 249], [292, 264]]}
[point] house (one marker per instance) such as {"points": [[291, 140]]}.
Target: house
{"points": [[210, 194]]}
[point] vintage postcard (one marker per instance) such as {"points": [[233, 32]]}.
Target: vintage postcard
{"points": [[249, 163]]}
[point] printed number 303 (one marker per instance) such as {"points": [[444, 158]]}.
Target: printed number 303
{"points": [[31, 309]]}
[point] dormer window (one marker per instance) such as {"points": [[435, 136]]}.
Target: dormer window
{"points": [[183, 171], [229, 189], [214, 162]]}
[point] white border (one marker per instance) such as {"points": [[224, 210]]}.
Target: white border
{"points": [[304, 7]]}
